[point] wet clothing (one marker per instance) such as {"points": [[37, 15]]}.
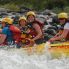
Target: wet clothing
{"points": [[29, 32], [33, 32], [12, 34], [24, 35], [8, 34], [24, 29], [16, 32]]}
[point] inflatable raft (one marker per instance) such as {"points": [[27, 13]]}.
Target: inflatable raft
{"points": [[56, 50], [59, 49]]}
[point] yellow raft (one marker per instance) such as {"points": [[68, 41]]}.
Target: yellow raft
{"points": [[59, 49], [56, 50]]}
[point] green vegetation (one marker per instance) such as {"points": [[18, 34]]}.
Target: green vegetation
{"points": [[10, 6], [56, 5]]}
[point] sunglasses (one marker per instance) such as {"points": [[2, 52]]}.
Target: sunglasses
{"points": [[61, 18]]}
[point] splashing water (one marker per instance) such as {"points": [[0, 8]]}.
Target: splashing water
{"points": [[19, 59]]}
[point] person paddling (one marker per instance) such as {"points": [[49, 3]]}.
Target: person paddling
{"points": [[63, 19]]}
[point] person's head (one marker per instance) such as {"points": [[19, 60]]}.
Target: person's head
{"points": [[22, 21], [62, 17], [31, 16], [6, 21]]}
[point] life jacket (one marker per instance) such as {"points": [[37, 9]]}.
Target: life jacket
{"points": [[16, 33], [41, 24], [24, 35], [24, 32], [13, 34], [8, 34], [61, 31], [29, 32], [32, 32]]}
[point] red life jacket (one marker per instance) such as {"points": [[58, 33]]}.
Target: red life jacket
{"points": [[33, 32], [39, 23], [16, 32]]}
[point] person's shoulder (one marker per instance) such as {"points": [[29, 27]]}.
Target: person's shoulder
{"points": [[66, 26]]}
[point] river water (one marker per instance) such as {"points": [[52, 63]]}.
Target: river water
{"points": [[19, 59]]}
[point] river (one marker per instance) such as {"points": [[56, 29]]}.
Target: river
{"points": [[19, 59]]}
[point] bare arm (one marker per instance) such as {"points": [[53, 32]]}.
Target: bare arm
{"points": [[38, 30], [2, 38], [59, 33], [62, 36]]}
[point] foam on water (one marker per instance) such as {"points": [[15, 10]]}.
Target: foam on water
{"points": [[18, 59]]}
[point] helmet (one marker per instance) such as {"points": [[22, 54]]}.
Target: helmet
{"points": [[22, 18], [31, 13], [63, 15], [7, 20]]}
